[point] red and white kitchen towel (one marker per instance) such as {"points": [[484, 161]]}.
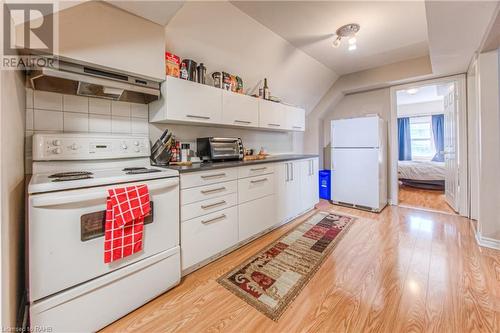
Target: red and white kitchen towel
{"points": [[126, 209]]}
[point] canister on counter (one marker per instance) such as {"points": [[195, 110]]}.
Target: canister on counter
{"points": [[217, 77]]}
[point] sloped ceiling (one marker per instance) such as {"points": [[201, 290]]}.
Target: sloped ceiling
{"points": [[456, 30], [391, 31], [160, 12], [226, 39]]}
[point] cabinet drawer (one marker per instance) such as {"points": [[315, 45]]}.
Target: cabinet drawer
{"points": [[255, 187], [200, 193], [256, 216], [208, 177], [208, 235], [208, 206], [255, 170]]}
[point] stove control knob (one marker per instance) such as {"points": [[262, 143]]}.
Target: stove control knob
{"points": [[124, 146], [56, 142], [137, 150], [74, 146], [57, 150], [136, 143]]}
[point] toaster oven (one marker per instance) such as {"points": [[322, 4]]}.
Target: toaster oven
{"points": [[219, 149]]}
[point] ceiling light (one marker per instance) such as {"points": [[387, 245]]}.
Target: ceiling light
{"points": [[336, 42], [347, 31], [412, 91]]}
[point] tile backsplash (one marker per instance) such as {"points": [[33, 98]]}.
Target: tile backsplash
{"points": [[52, 112]]}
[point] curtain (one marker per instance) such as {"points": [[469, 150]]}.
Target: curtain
{"points": [[404, 139], [438, 134]]}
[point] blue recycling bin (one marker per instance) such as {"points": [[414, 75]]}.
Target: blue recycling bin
{"points": [[325, 184]]}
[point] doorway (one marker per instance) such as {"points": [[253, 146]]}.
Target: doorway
{"points": [[428, 140]]}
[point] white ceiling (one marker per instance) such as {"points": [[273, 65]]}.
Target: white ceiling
{"points": [[391, 31], [456, 29], [160, 12], [424, 94]]}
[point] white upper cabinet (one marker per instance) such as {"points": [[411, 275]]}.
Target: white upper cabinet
{"points": [[187, 101], [239, 110], [272, 115], [295, 118]]}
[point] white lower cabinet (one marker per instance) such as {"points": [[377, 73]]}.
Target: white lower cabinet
{"points": [[309, 184], [205, 236], [256, 216], [296, 188], [224, 208]]}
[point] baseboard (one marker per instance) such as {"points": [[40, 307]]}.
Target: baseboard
{"points": [[487, 242]]}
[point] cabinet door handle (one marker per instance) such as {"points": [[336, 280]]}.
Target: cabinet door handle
{"points": [[195, 116], [223, 216], [213, 190], [297, 127], [258, 180], [213, 176], [242, 121], [222, 202], [258, 169], [287, 176], [275, 125], [291, 168]]}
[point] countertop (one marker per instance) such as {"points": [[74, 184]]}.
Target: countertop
{"points": [[231, 164]]}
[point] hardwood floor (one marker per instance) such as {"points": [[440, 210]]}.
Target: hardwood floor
{"points": [[398, 271], [426, 199]]}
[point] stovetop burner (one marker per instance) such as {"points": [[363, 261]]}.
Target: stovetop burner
{"points": [[71, 174], [72, 177]]}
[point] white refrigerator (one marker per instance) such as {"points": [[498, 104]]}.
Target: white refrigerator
{"points": [[359, 162]]}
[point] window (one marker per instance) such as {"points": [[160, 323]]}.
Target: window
{"points": [[422, 145]]}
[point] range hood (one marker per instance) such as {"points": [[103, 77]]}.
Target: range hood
{"points": [[76, 79]]}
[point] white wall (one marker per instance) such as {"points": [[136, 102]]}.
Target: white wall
{"points": [[226, 39], [12, 119], [489, 146], [273, 142]]}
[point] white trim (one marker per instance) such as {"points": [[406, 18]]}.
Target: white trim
{"points": [[462, 138], [487, 242]]}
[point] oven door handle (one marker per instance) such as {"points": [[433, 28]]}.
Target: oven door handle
{"points": [[63, 198]]}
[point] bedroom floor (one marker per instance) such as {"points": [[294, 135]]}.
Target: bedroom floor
{"points": [[426, 199]]}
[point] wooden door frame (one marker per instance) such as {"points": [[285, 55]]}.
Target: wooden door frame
{"points": [[463, 197]]}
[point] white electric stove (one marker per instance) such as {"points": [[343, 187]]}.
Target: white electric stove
{"points": [[70, 286]]}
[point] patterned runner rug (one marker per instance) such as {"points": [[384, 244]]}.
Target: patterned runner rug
{"points": [[270, 280]]}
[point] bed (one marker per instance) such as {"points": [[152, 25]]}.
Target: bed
{"points": [[422, 174]]}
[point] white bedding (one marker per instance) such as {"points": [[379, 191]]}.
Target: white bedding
{"points": [[420, 170]]}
